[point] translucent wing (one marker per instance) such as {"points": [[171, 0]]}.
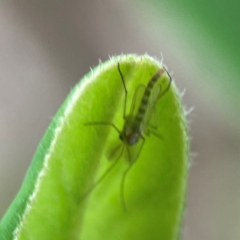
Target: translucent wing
{"points": [[137, 98], [151, 113]]}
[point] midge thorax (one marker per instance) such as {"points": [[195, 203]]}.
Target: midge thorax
{"points": [[136, 123]]}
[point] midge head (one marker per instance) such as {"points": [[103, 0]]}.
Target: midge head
{"points": [[136, 123]]}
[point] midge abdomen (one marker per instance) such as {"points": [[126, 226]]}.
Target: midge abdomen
{"points": [[145, 99]]}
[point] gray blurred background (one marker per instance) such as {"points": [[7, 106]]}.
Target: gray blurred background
{"points": [[47, 46]]}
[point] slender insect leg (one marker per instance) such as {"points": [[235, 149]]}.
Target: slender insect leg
{"points": [[114, 151], [102, 177], [103, 123], [169, 84], [151, 131], [126, 92], [124, 177]]}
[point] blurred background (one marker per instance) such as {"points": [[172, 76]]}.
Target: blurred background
{"points": [[47, 46]]}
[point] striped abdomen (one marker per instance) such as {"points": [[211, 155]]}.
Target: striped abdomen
{"points": [[145, 99]]}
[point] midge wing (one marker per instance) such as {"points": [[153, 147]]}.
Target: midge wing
{"points": [[137, 98], [151, 114]]}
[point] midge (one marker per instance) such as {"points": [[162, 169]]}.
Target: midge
{"points": [[136, 123]]}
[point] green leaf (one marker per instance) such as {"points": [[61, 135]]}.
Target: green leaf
{"points": [[72, 157]]}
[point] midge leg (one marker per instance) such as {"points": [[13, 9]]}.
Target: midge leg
{"points": [[125, 174], [151, 131], [126, 92], [103, 123], [111, 167], [102, 177], [168, 86]]}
